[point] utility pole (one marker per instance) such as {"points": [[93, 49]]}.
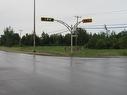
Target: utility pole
{"points": [[77, 17], [107, 31], [34, 31], [125, 29]]}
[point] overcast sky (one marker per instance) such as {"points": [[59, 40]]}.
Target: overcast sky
{"points": [[19, 13]]}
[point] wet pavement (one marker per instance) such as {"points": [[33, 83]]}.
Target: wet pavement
{"points": [[22, 74]]}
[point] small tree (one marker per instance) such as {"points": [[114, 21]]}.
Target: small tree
{"points": [[9, 38]]}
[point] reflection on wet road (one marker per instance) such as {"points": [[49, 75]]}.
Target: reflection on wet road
{"points": [[22, 74]]}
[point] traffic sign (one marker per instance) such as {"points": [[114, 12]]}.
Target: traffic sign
{"points": [[87, 20], [47, 19]]}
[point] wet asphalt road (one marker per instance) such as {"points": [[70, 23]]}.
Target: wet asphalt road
{"points": [[22, 74]]}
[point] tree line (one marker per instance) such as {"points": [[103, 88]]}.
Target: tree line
{"points": [[100, 40]]}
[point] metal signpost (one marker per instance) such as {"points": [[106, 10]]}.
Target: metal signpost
{"points": [[70, 28]]}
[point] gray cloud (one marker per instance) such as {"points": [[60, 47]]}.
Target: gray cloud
{"points": [[19, 13]]}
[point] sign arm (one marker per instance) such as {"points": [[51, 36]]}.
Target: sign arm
{"points": [[65, 24]]}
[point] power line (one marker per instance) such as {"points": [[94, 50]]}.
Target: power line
{"points": [[93, 27], [99, 13], [108, 12], [107, 27]]}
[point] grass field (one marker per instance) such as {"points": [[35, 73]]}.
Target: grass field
{"points": [[62, 51]]}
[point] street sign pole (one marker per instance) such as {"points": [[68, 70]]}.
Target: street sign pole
{"points": [[34, 31], [71, 39], [70, 28], [71, 43]]}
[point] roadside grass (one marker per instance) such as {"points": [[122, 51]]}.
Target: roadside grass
{"points": [[101, 52], [65, 51]]}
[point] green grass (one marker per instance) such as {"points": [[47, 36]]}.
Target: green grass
{"points": [[60, 51], [101, 52]]}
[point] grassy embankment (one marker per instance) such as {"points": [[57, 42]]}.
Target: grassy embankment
{"points": [[61, 51]]}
